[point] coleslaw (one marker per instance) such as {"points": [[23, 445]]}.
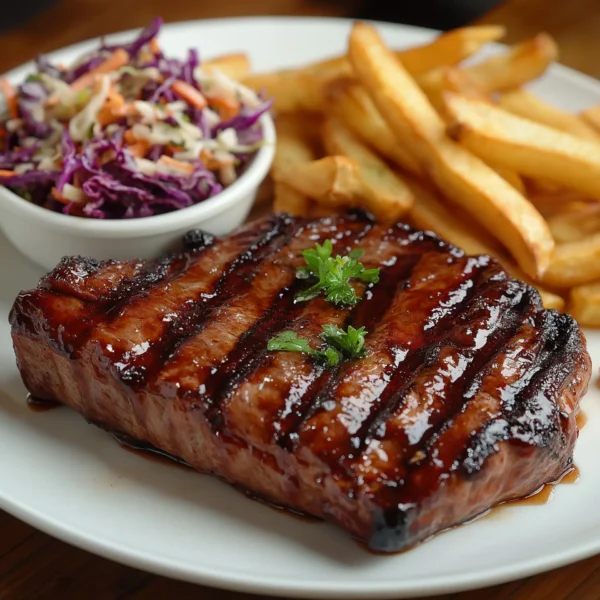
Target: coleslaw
{"points": [[126, 132]]}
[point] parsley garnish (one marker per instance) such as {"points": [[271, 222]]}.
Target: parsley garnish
{"points": [[333, 274], [340, 344]]}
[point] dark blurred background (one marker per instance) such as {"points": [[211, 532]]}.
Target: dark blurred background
{"points": [[438, 14]]}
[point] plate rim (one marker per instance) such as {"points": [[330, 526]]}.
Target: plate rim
{"points": [[228, 579]]}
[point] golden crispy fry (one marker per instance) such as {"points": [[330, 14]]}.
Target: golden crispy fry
{"points": [[511, 177], [334, 181], [558, 202], [576, 224], [463, 177], [508, 71], [291, 91], [574, 263], [584, 304], [527, 105], [300, 89], [290, 201], [430, 213], [592, 117], [520, 65], [349, 101], [447, 49], [234, 66], [436, 82], [529, 148], [295, 146], [393, 196]]}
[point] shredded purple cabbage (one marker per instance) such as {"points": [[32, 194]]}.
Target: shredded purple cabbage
{"points": [[245, 120], [103, 167]]}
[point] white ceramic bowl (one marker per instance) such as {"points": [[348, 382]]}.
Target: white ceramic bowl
{"points": [[45, 236]]}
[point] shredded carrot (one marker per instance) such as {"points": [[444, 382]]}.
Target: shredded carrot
{"points": [[139, 149], [154, 46], [116, 60], [206, 156], [177, 164], [11, 97], [59, 197], [226, 107], [129, 137], [112, 110], [7, 173], [189, 93], [170, 149]]}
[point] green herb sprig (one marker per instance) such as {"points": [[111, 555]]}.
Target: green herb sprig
{"points": [[333, 275], [339, 344]]}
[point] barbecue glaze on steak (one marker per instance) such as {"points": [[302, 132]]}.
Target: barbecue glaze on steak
{"points": [[467, 397]]}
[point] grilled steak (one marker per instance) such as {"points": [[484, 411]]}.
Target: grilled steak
{"points": [[467, 396]]}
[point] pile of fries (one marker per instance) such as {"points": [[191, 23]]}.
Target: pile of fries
{"points": [[462, 149]]}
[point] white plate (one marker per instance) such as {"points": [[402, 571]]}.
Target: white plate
{"points": [[73, 481]]}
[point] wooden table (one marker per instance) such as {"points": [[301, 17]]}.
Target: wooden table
{"points": [[34, 565]]}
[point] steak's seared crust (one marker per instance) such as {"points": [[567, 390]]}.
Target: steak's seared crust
{"points": [[467, 396]]}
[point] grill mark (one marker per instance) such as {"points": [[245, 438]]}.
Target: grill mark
{"points": [[405, 374], [456, 448], [403, 362], [134, 357], [153, 274], [368, 313], [466, 389], [530, 414], [236, 278], [407, 481], [399, 395], [250, 353]]}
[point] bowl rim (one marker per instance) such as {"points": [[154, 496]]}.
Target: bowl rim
{"points": [[248, 182]]}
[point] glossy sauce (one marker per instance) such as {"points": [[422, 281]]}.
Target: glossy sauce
{"points": [[581, 420], [546, 492], [150, 452], [38, 405]]}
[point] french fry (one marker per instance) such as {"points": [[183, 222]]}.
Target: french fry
{"points": [[349, 101], [520, 65], [576, 224], [511, 177], [574, 263], [467, 180], [393, 197], [430, 213], [295, 146], [234, 66], [333, 181], [450, 48], [592, 117], [529, 148], [584, 304], [288, 200], [300, 89], [290, 91], [436, 82], [525, 104], [447, 49]]}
